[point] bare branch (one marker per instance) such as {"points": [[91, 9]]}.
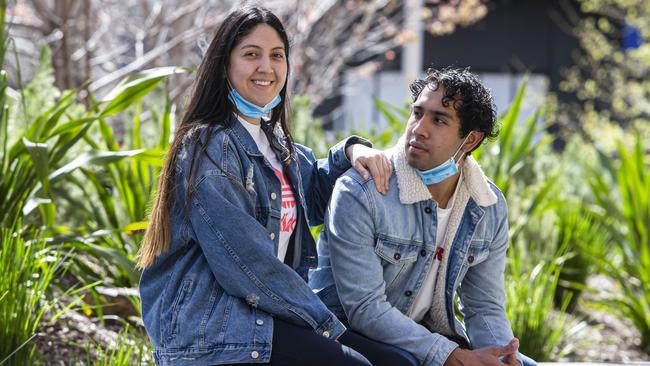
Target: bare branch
{"points": [[144, 60]]}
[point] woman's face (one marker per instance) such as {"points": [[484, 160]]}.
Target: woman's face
{"points": [[258, 66]]}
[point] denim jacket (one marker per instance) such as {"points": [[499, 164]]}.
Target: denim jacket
{"points": [[375, 252], [212, 297]]}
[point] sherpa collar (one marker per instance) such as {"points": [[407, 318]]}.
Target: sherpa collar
{"points": [[412, 189]]}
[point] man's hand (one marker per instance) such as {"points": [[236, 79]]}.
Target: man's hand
{"points": [[511, 358], [485, 356], [364, 159]]}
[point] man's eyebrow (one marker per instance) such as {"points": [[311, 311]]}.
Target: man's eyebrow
{"points": [[444, 114], [432, 111]]}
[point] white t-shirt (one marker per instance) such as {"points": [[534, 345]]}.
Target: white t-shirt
{"points": [[288, 207], [423, 302]]}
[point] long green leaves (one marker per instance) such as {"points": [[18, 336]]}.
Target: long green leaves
{"points": [[53, 172], [135, 86], [118, 182], [530, 289], [38, 171], [53, 134], [28, 269], [125, 352], [626, 197]]}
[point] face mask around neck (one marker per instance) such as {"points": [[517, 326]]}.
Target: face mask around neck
{"points": [[249, 109], [443, 171]]}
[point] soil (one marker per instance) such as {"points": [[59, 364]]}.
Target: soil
{"points": [[74, 339], [605, 337]]}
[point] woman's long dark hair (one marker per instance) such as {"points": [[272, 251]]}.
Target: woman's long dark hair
{"points": [[209, 104]]}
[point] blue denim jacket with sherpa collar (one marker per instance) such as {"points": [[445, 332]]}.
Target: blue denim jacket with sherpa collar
{"points": [[212, 297], [375, 252]]}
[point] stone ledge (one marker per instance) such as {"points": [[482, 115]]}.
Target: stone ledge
{"points": [[593, 364]]}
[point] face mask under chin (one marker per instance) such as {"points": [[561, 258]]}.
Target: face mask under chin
{"points": [[251, 110], [443, 171]]}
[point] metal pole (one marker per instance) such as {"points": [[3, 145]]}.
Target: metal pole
{"points": [[412, 51]]}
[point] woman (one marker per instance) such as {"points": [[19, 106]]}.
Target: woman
{"points": [[226, 254]]}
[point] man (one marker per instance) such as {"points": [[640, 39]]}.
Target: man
{"points": [[393, 264]]}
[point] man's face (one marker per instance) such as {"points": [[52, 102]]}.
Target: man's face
{"points": [[432, 132]]}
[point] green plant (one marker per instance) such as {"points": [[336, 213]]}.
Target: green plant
{"points": [[40, 166], [28, 269], [307, 130], [30, 166], [125, 352], [579, 231], [624, 194], [115, 184], [115, 194], [608, 82], [397, 118], [512, 158], [530, 290], [541, 212]]}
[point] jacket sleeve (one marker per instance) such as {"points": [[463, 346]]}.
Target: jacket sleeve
{"points": [[319, 176], [482, 292], [358, 275], [239, 251]]}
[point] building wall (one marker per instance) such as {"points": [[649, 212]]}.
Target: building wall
{"points": [[515, 38], [360, 113]]}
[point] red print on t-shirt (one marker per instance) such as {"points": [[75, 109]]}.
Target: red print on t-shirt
{"points": [[288, 221]]}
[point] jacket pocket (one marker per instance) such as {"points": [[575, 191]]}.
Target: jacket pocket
{"points": [[477, 253], [215, 318], [397, 259], [182, 295]]}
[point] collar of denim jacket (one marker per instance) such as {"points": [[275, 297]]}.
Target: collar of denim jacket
{"points": [[412, 189], [245, 139], [275, 137]]}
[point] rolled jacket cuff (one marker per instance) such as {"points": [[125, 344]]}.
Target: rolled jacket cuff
{"points": [[440, 352], [332, 328], [354, 139]]}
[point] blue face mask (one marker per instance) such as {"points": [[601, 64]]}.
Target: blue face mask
{"points": [[249, 109], [441, 172]]}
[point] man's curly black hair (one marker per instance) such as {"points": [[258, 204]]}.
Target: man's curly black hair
{"points": [[470, 98]]}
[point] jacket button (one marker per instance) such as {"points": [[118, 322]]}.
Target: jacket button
{"points": [[428, 210], [326, 334], [272, 236], [259, 322], [408, 293], [255, 354], [423, 253], [273, 195], [397, 256], [470, 259]]}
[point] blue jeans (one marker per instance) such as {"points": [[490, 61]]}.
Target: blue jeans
{"points": [[294, 345], [379, 354]]}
